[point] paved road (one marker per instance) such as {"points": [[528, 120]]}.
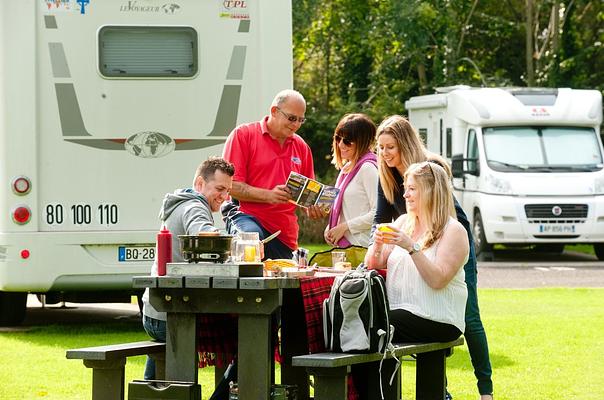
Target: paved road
{"points": [[527, 269], [501, 276]]}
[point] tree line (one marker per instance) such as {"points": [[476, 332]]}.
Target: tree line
{"points": [[371, 55]]}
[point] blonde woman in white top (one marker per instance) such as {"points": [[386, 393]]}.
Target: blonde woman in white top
{"points": [[425, 251]]}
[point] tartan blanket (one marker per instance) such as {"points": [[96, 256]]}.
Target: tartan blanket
{"points": [[314, 291], [216, 339]]}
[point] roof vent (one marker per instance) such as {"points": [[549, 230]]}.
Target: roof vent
{"points": [[535, 96], [447, 89]]}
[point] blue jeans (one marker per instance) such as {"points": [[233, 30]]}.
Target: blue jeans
{"points": [[237, 221], [155, 328], [476, 338]]}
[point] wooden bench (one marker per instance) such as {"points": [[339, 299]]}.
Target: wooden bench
{"points": [[331, 370], [108, 365]]}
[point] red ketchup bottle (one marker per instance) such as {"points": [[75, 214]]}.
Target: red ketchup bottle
{"points": [[164, 250]]}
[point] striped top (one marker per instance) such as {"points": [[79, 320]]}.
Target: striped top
{"points": [[407, 290]]}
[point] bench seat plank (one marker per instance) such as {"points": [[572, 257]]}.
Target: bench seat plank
{"points": [[115, 351], [333, 360]]}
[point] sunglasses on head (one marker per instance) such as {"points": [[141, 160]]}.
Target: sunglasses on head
{"points": [[292, 117], [339, 138]]}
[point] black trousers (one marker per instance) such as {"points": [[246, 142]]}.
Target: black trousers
{"points": [[408, 328]]}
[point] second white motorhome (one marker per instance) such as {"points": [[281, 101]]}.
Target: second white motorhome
{"points": [[527, 162]]}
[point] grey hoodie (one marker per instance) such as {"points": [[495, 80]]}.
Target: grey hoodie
{"points": [[184, 212]]}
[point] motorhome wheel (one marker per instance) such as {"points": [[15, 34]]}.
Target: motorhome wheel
{"points": [[480, 241]]}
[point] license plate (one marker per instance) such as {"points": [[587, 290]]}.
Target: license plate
{"points": [[556, 229], [136, 253]]}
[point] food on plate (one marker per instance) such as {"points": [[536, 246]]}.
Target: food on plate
{"points": [[278, 264]]}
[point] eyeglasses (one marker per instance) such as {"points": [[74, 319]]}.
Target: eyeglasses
{"points": [[292, 117], [346, 142]]}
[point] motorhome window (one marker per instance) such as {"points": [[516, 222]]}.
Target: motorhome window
{"points": [[472, 150], [449, 141], [441, 139], [583, 141], [151, 52], [536, 149], [423, 134]]}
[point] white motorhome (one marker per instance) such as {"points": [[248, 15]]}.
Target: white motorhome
{"points": [[105, 106], [527, 162]]}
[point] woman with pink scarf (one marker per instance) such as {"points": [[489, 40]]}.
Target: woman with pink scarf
{"points": [[352, 214]]}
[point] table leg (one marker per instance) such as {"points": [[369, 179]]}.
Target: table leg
{"points": [[294, 342], [430, 375], [254, 357], [181, 347]]}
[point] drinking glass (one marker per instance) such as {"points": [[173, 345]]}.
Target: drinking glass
{"points": [[337, 256]]}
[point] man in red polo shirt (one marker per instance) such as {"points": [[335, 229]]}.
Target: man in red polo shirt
{"points": [[264, 153]]}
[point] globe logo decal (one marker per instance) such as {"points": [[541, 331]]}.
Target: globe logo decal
{"points": [[149, 144]]}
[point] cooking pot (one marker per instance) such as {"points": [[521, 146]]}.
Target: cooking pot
{"points": [[205, 247]]}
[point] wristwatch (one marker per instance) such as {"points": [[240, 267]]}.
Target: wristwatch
{"points": [[415, 248]]}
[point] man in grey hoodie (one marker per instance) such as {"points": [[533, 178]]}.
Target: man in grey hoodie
{"points": [[188, 212]]}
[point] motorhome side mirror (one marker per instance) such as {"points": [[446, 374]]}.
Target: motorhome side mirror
{"points": [[457, 165]]}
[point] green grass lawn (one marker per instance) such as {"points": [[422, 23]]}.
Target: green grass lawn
{"points": [[544, 344], [315, 248], [580, 248]]}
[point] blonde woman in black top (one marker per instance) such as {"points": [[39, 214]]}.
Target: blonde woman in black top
{"points": [[399, 145]]}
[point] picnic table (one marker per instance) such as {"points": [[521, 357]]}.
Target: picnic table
{"points": [[251, 303]]}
